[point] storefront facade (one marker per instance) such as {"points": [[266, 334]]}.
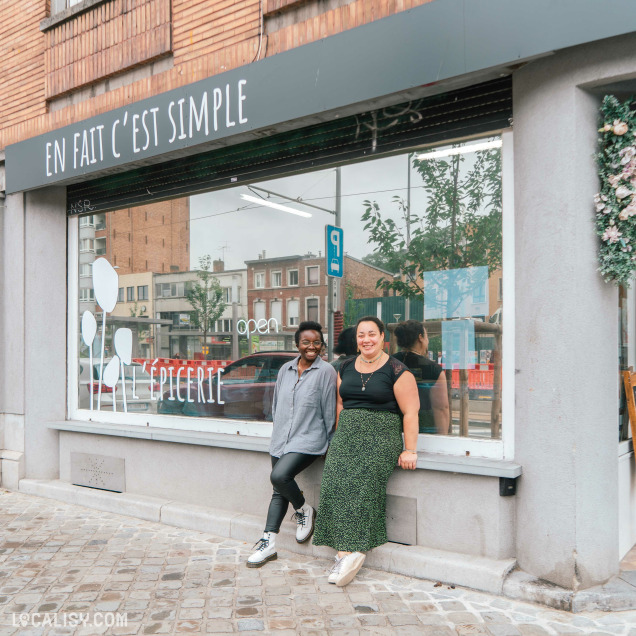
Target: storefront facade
{"points": [[532, 473]]}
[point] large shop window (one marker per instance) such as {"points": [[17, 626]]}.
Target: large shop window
{"points": [[223, 278]]}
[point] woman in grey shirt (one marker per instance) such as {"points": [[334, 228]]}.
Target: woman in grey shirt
{"points": [[304, 413]]}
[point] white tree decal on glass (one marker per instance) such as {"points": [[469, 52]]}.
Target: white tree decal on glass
{"points": [[89, 329], [106, 286]]}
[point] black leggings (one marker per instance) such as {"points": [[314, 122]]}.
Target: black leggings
{"points": [[286, 490]]}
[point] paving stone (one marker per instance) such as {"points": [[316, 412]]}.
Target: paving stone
{"points": [[250, 624], [171, 580], [402, 619], [217, 626], [503, 629], [465, 630], [528, 629]]}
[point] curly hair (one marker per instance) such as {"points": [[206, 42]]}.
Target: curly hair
{"points": [[308, 325], [407, 333]]}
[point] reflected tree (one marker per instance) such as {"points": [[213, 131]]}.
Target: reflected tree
{"points": [[460, 227], [206, 297]]}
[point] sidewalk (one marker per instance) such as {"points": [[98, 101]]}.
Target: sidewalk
{"points": [[61, 562]]}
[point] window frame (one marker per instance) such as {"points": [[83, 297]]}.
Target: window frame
{"points": [[288, 317], [257, 276], [130, 293], [309, 299], [143, 295], [289, 273], [273, 274], [502, 449], [307, 268]]}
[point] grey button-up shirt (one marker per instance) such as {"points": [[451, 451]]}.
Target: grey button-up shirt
{"points": [[304, 409]]}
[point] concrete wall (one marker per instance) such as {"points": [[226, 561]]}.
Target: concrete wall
{"points": [[458, 513], [566, 384], [33, 364]]}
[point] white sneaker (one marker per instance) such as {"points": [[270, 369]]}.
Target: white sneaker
{"points": [[335, 570], [265, 551], [305, 519], [349, 566]]}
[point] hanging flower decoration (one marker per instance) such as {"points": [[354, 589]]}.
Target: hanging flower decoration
{"points": [[616, 202]]}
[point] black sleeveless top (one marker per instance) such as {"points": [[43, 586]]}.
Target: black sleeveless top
{"points": [[378, 387]]}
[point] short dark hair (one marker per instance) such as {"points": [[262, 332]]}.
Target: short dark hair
{"points": [[308, 325], [347, 343], [408, 332], [379, 324]]}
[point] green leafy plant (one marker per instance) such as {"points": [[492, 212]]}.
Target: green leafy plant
{"points": [[206, 298], [459, 228], [616, 201]]}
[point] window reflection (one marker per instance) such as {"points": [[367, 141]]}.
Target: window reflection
{"points": [[213, 286]]}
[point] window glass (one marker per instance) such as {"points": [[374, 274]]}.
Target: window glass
{"points": [[292, 313], [312, 275], [223, 280], [277, 311], [312, 309]]}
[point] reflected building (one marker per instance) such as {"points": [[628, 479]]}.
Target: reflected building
{"points": [[177, 334], [292, 289]]}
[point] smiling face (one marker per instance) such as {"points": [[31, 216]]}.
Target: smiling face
{"points": [[370, 339], [309, 345]]}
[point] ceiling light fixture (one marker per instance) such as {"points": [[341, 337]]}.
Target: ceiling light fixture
{"points": [[438, 154], [276, 206]]}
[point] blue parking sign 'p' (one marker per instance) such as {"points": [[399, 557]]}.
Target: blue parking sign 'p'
{"points": [[334, 250]]}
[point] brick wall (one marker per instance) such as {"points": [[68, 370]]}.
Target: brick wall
{"points": [[105, 40], [149, 238], [208, 37], [362, 278], [22, 68]]}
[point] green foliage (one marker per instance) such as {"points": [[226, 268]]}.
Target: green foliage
{"points": [[388, 262], [206, 298], [354, 309], [460, 226], [616, 201]]}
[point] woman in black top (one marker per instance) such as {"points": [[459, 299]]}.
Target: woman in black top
{"points": [[434, 415], [377, 400]]}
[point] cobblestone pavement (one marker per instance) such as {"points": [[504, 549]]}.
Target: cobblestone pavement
{"points": [[62, 564]]}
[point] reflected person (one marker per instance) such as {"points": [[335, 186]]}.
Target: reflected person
{"points": [[434, 415], [304, 412], [347, 347]]}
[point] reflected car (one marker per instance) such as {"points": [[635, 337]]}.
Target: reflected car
{"points": [[142, 388], [246, 391]]}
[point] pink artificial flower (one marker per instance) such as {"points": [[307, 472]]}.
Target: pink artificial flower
{"points": [[620, 127], [611, 234]]}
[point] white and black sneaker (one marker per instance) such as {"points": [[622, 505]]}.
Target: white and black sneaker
{"points": [[304, 517], [349, 566], [265, 550], [335, 570]]}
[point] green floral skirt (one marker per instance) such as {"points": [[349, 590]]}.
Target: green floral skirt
{"points": [[363, 453]]}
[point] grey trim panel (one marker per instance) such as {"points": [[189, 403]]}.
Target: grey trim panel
{"points": [[426, 461]]}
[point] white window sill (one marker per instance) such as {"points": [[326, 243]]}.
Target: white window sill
{"points": [[426, 461]]}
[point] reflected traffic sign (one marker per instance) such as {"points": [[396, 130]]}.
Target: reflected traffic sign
{"points": [[334, 250]]}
